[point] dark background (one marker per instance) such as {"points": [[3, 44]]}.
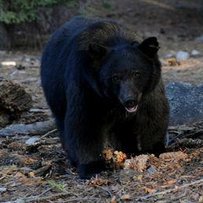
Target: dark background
{"points": [[172, 21]]}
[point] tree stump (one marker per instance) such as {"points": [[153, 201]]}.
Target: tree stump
{"points": [[13, 101]]}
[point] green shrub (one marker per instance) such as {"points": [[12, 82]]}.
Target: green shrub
{"points": [[20, 11]]}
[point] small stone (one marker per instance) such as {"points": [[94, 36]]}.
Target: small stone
{"points": [[27, 59], [32, 140], [151, 170], [125, 197], [182, 55], [170, 54], [20, 201], [25, 170], [195, 53], [201, 199], [3, 189]]}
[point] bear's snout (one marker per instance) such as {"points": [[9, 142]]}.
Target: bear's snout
{"points": [[130, 105], [129, 96]]}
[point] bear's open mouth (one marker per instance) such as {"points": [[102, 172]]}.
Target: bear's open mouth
{"points": [[131, 109]]}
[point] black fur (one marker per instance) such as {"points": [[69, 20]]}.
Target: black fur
{"points": [[93, 75]]}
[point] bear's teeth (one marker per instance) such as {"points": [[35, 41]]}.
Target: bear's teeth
{"points": [[131, 110]]}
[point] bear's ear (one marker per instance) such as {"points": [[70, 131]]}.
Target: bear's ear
{"points": [[149, 46]]}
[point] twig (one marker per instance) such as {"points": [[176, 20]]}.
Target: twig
{"points": [[50, 197], [37, 110], [170, 190], [107, 191], [55, 197], [82, 199], [48, 133], [43, 193]]}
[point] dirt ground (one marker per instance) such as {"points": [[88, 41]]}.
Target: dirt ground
{"points": [[38, 172]]}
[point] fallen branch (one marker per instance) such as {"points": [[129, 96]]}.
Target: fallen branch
{"points": [[176, 133], [197, 182], [38, 128], [39, 198]]}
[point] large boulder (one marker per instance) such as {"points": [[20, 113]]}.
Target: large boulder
{"points": [[186, 103]]}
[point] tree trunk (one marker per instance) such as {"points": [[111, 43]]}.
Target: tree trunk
{"points": [[13, 101]]}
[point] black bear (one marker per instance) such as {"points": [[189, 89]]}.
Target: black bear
{"points": [[104, 88]]}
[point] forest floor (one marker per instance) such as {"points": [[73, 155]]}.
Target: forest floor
{"points": [[36, 171]]}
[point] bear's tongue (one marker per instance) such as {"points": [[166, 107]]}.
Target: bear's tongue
{"points": [[131, 109]]}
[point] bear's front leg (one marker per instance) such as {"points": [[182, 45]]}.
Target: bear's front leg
{"points": [[84, 141]]}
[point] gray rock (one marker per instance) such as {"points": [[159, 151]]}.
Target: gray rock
{"points": [[186, 103], [3, 189], [32, 140], [170, 54], [199, 39], [182, 55], [151, 170], [195, 53]]}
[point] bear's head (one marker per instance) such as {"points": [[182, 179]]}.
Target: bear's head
{"points": [[127, 71]]}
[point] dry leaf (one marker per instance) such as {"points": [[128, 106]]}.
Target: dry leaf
{"points": [[126, 197], [115, 159], [173, 156], [140, 177], [16, 146], [173, 62], [31, 174], [108, 154], [27, 181], [169, 183], [138, 163], [113, 200], [149, 190], [120, 157], [94, 182], [201, 199]]}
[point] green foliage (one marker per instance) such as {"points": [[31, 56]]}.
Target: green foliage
{"points": [[19, 11], [107, 5], [57, 186]]}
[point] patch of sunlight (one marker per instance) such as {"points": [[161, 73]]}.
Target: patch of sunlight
{"points": [[8, 63], [158, 3]]}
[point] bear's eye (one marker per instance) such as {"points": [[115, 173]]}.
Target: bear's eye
{"points": [[115, 78], [136, 74]]}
